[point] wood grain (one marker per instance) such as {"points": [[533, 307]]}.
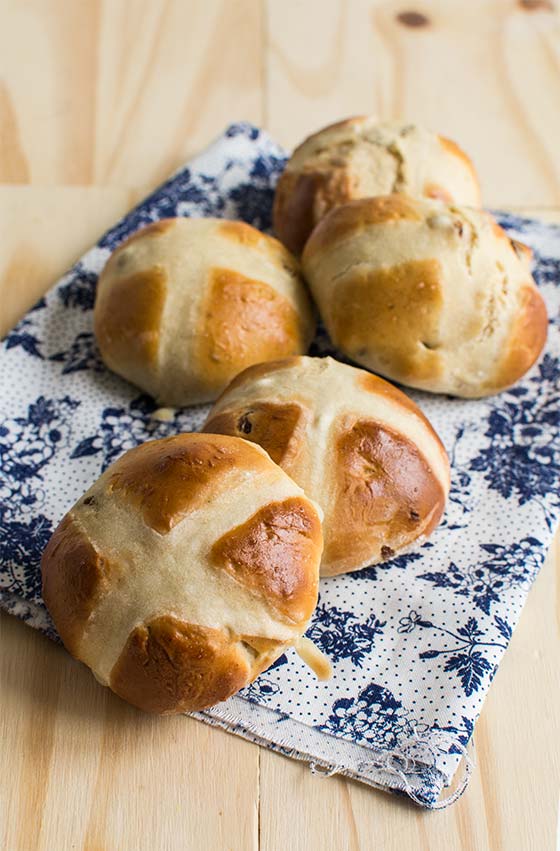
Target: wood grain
{"points": [[121, 91], [100, 100], [485, 73], [82, 769], [44, 231]]}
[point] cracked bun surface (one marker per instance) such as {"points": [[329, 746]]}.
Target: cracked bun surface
{"points": [[185, 304], [361, 158], [356, 445], [427, 294], [186, 570]]}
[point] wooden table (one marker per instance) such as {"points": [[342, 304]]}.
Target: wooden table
{"points": [[98, 102]]}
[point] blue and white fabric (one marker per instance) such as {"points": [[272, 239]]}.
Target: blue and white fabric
{"points": [[414, 642]]}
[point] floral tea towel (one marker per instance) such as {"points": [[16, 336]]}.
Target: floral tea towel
{"points": [[414, 642]]}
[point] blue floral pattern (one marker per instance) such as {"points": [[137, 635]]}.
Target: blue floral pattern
{"points": [[375, 716], [401, 562], [82, 355], [342, 636], [261, 690], [483, 582], [465, 658], [520, 460], [28, 444], [414, 641], [23, 336], [79, 290]]}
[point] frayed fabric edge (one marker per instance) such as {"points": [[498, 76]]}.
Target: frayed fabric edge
{"points": [[390, 771]]}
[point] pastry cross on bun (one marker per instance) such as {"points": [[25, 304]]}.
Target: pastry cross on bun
{"points": [[357, 446], [427, 294], [185, 570], [359, 158], [185, 304]]}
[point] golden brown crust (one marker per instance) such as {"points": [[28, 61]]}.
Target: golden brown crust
{"points": [[271, 425], [526, 341], [169, 666], [274, 553], [353, 217], [161, 620], [380, 387], [351, 159], [385, 492], [340, 404], [127, 321], [302, 199], [160, 319], [243, 322], [447, 320], [167, 479], [74, 577], [394, 310]]}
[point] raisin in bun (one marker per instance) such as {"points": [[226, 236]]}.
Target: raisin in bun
{"points": [[356, 445], [362, 157], [187, 569], [185, 304], [427, 294]]}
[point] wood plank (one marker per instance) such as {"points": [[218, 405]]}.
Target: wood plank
{"points": [[121, 91], [484, 73], [44, 231], [82, 769]]}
